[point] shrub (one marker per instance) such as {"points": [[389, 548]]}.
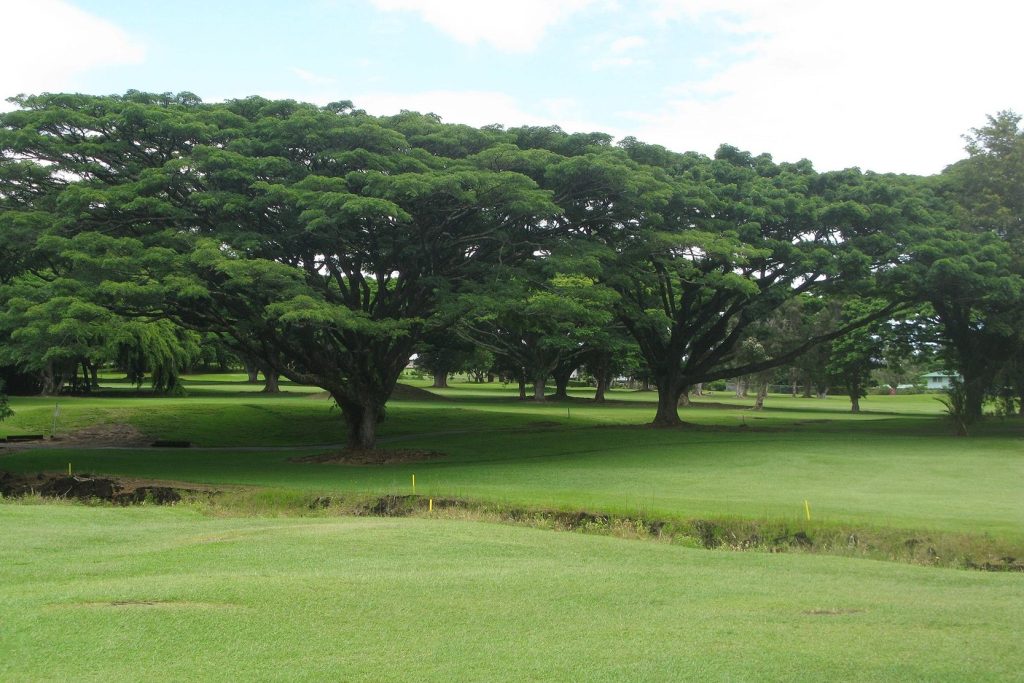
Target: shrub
{"points": [[955, 401]]}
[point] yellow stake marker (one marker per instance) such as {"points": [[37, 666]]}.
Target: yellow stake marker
{"points": [[69, 469], [414, 483], [807, 509], [431, 509]]}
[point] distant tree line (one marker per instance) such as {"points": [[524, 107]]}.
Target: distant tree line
{"points": [[155, 232]]}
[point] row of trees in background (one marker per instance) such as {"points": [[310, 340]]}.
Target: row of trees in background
{"points": [[885, 354], [328, 246]]}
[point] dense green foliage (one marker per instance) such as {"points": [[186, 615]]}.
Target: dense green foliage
{"points": [[326, 246]]}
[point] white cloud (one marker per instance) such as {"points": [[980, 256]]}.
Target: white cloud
{"points": [[516, 26], [626, 44], [617, 53], [481, 108], [73, 42], [474, 107], [880, 84], [312, 78]]}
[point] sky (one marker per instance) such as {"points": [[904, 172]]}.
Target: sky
{"points": [[883, 85]]}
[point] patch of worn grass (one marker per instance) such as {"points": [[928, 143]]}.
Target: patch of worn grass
{"points": [[142, 593]]}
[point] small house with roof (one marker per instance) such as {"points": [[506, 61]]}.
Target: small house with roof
{"points": [[940, 380]]}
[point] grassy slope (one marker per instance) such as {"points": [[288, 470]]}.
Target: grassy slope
{"points": [[894, 465], [413, 599]]}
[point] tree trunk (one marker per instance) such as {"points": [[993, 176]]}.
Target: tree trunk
{"points": [[1020, 405], [854, 403], [602, 387], [974, 390], [684, 398], [539, 384], [522, 388], [441, 379], [48, 381], [698, 389], [562, 376], [669, 390], [741, 388], [270, 384], [94, 371], [86, 380], [362, 420], [252, 372], [762, 392]]}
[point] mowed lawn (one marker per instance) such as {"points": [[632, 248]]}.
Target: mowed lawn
{"points": [[894, 465], [167, 593]]}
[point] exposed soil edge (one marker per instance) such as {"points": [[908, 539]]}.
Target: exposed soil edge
{"points": [[85, 487], [937, 549], [369, 456], [961, 551]]}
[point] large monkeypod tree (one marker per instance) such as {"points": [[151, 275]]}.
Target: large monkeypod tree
{"points": [[322, 239], [700, 249], [971, 271]]}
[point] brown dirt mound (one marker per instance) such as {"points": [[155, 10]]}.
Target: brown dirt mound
{"points": [[115, 434], [85, 487], [358, 456]]}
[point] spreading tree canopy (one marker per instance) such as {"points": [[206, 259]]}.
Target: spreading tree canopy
{"points": [[326, 243], [322, 239]]}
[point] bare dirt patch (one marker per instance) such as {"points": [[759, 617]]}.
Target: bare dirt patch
{"points": [[832, 612], [94, 436], [86, 487], [113, 434], [359, 456]]}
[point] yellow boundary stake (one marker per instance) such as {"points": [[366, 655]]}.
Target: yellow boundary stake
{"points": [[414, 483], [807, 509], [431, 507], [69, 469]]}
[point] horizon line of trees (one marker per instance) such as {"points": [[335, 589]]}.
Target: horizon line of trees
{"points": [[327, 246]]}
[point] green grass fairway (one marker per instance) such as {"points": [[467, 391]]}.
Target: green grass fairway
{"points": [[895, 465], [155, 593]]}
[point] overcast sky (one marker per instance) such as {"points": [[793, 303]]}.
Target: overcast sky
{"points": [[886, 85]]}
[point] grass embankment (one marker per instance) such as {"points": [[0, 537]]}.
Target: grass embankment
{"points": [[893, 466], [114, 593]]}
